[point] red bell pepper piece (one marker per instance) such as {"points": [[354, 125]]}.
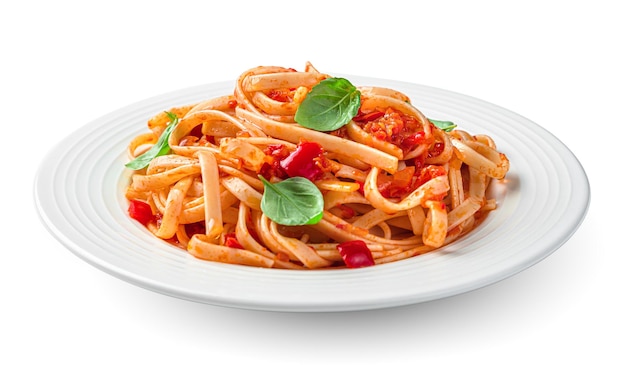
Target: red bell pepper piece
{"points": [[231, 241], [428, 173], [141, 211], [303, 161], [398, 184], [368, 117], [355, 254]]}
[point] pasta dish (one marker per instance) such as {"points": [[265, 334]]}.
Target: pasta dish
{"points": [[303, 170]]}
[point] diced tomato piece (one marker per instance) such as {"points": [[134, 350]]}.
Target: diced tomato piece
{"points": [[231, 241], [282, 95], [361, 187], [394, 127], [368, 117], [346, 211], [303, 161], [398, 184], [140, 211], [282, 256], [197, 131], [436, 149], [419, 161], [277, 152], [195, 228], [355, 254], [429, 172], [413, 139]]}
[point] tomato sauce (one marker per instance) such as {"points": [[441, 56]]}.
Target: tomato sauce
{"points": [[404, 131]]}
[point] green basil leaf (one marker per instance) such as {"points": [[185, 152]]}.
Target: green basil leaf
{"points": [[292, 202], [158, 149], [329, 105], [445, 126]]}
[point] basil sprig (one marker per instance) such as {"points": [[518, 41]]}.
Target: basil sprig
{"points": [[292, 202], [445, 126], [329, 105], [158, 149]]}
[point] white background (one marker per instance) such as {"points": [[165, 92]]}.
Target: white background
{"points": [[558, 63]]}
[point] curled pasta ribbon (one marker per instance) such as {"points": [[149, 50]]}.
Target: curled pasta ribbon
{"points": [[432, 189], [348, 232], [357, 134], [446, 153], [201, 247], [173, 206], [368, 91], [436, 224], [372, 101], [211, 192], [163, 179], [295, 247], [253, 84], [141, 144], [245, 237], [244, 192], [158, 123], [482, 157]]}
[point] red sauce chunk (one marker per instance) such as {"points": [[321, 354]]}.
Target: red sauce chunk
{"points": [[306, 161], [392, 126], [281, 95], [231, 241], [275, 153], [140, 211], [355, 254]]}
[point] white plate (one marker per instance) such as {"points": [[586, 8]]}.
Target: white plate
{"points": [[79, 194]]}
